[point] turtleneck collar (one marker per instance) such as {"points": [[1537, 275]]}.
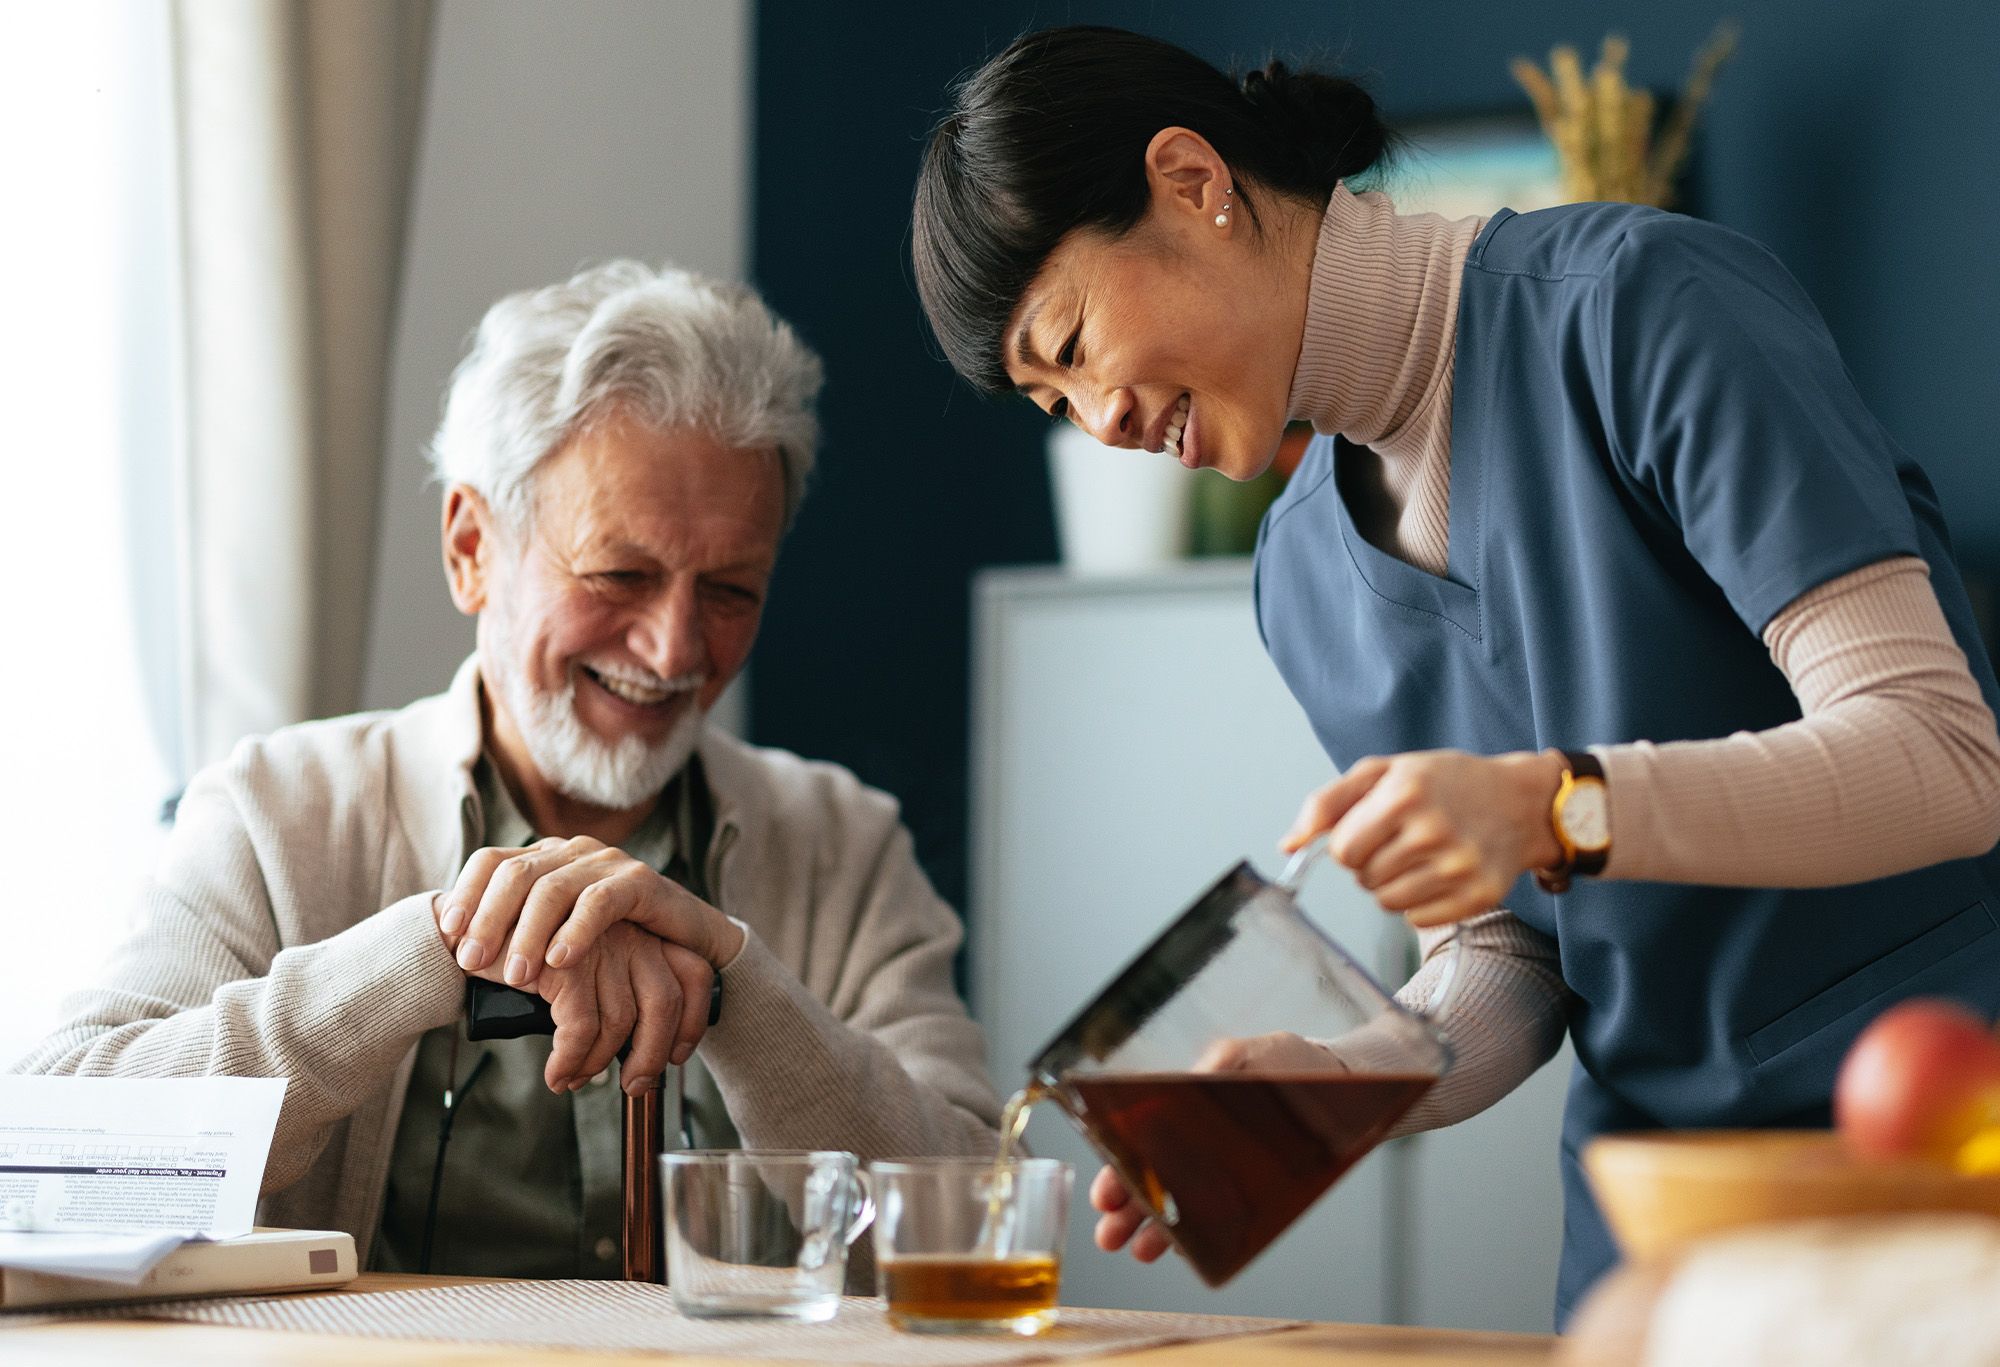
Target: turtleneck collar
{"points": [[1375, 357]]}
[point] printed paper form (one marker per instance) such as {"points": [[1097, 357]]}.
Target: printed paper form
{"points": [[179, 1155]]}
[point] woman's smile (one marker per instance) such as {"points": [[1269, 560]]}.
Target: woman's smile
{"points": [[1181, 442], [1147, 345]]}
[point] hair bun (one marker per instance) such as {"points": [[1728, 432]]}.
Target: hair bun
{"points": [[1328, 121]]}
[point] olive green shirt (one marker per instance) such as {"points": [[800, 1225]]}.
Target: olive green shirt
{"points": [[532, 1183]]}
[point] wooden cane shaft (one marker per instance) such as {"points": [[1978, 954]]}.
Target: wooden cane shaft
{"points": [[644, 1260]]}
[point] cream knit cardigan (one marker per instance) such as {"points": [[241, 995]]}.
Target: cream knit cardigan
{"points": [[288, 933]]}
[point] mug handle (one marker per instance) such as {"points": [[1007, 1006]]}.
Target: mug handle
{"points": [[866, 1215]]}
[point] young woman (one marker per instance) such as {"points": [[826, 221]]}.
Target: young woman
{"points": [[1601, 572]]}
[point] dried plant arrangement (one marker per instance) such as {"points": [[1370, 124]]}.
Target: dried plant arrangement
{"points": [[1603, 129]]}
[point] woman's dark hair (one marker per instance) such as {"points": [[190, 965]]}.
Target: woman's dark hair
{"points": [[1051, 135]]}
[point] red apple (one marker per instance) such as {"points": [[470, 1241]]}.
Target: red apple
{"points": [[1921, 1080]]}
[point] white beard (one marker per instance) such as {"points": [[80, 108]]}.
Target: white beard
{"points": [[576, 761], [583, 766]]}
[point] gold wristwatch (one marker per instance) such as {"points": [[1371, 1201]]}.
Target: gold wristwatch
{"points": [[1581, 816]]}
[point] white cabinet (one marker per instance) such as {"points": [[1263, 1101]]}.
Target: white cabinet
{"points": [[1131, 742]]}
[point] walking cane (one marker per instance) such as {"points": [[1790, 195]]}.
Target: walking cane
{"points": [[494, 1011]]}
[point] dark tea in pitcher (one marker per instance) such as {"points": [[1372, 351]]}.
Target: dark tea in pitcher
{"points": [[1231, 1159]]}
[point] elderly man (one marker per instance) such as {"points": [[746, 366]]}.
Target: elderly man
{"points": [[621, 455]]}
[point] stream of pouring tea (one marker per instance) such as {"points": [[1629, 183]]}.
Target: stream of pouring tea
{"points": [[993, 1239]]}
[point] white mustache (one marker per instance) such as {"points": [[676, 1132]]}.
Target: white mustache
{"points": [[645, 678]]}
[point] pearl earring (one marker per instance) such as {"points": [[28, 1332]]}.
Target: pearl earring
{"points": [[1222, 219]]}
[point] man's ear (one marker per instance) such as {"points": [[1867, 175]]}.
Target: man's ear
{"points": [[1188, 178], [469, 547]]}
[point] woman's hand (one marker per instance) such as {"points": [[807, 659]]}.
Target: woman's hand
{"points": [[1122, 1220], [1438, 835], [549, 903]]}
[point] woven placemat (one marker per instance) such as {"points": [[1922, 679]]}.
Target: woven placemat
{"points": [[639, 1316]]}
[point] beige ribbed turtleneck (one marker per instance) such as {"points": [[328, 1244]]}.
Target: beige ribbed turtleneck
{"points": [[1894, 765], [1375, 361]]}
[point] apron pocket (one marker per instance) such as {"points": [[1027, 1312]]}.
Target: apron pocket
{"points": [[1871, 980]]}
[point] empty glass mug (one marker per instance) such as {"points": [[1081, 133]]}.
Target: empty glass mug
{"points": [[963, 1245], [761, 1233], [1162, 1071]]}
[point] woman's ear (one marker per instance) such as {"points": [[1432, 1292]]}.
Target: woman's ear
{"points": [[1189, 180], [468, 547]]}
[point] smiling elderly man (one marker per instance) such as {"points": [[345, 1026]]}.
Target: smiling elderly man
{"points": [[622, 454]]}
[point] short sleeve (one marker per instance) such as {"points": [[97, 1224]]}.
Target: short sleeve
{"points": [[1726, 401]]}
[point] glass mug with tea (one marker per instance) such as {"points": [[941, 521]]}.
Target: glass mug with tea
{"points": [[965, 1245], [761, 1233], [1225, 1158]]}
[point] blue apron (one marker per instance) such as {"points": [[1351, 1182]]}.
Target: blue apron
{"points": [[1655, 448]]}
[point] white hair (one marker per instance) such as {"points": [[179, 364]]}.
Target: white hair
{"points": [[678, 349]]}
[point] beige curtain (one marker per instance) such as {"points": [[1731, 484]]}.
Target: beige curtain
{"points": [[296, 128]]}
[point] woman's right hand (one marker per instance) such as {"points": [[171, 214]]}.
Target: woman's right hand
{"points": [[1437, 836], [1121, 1219]]}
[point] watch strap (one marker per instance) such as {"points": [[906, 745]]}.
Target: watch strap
{"points": [[1583, 764]]}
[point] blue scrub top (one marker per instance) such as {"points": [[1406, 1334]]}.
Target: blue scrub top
{"points": [[1655, 449]]}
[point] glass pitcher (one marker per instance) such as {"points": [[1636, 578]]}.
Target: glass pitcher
{"points": [[1225, 1133]]}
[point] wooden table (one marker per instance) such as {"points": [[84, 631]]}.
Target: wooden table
{"points": [[158, 1343]]}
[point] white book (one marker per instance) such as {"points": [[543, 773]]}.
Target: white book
{"points": [[262, 1260]]}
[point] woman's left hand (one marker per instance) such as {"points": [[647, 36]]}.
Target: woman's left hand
{"points": [[1437, 835]]}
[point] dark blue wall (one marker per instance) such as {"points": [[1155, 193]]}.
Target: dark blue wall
{"points": [[1859, 139]]}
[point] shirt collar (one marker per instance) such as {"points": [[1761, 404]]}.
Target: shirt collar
{"points": [[435, 748]]}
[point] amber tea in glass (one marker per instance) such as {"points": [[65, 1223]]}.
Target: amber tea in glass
{"points": [[951, 1286], [963, 1245]]}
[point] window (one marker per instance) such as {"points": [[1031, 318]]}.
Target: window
{"points": [[87, 676]]}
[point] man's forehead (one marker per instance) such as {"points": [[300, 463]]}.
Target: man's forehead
{"points": [[644, 525], [625, 460], [652, 512]]}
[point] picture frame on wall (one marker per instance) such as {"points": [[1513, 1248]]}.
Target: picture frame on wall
{"points": [[1472, 165]]}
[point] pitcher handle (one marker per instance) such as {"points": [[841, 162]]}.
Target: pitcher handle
{"points": [[1300, 864], [1445, 994]]}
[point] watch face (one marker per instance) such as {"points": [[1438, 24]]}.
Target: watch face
{"points": [[1586, 816]]}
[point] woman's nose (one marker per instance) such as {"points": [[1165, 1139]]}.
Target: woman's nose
{"points": [[1112, 417]]}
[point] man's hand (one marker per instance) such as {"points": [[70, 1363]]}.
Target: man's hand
{"points": [[549, 903], [1122, 1220], [631, 986], [1437, 835]]}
